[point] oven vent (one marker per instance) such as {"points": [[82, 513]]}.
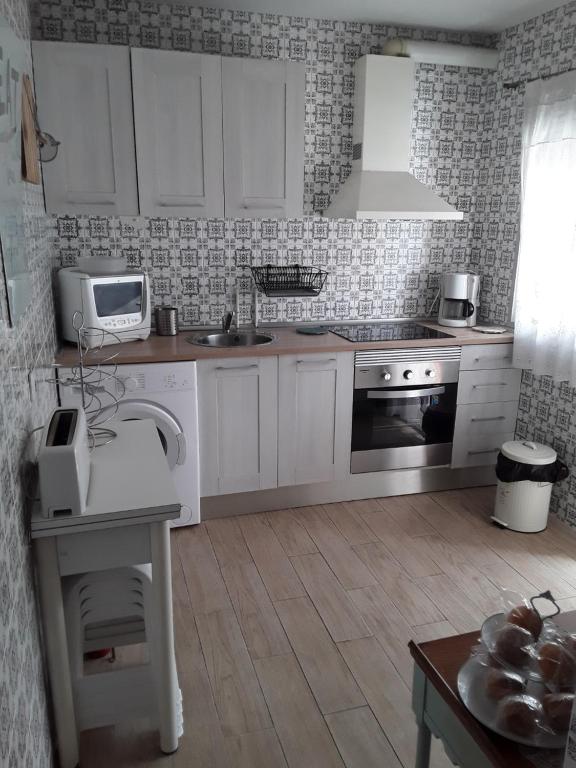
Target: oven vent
{"points": [[406, 355]]}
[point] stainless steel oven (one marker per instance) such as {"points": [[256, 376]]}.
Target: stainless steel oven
{"points": [[404, 408]]}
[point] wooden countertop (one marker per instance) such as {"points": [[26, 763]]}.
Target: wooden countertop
{"points": [[165, 349]]}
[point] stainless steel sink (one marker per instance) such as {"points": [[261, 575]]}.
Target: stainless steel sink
{"points": [[232, 339]]}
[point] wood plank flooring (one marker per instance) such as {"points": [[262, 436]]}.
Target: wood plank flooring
{"points": [[292, 627]]}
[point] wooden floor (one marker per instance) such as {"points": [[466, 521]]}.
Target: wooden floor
{"points": [[291, 627]]}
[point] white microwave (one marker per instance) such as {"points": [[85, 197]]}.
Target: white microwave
{"points": [[115, 307]]}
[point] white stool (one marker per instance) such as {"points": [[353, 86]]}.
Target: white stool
{"points": [[109, 609]]}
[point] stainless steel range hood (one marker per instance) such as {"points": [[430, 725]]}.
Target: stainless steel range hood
{"points": [[381, 185]]}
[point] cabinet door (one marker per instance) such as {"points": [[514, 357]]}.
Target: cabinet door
{"points": [[178, 126], [263, 118], [85, 101], [315, 412], [238, 413]]}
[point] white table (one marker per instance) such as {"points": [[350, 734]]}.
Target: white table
{"points": [[131, 498]]}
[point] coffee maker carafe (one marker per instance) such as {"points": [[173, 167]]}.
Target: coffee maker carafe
{"points": [[459, 292]]}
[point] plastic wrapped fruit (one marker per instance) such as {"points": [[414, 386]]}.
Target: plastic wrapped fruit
{"points": [[519, 715], [500, 684], [557, 666], [526, 617], [513, 645], [557, 710]]}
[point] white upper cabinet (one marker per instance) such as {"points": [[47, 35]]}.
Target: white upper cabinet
{"points": [[178, 127], [263, 118], [85, 101]]}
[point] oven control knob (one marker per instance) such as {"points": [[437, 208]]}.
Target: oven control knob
{"points": [[386, 375], [431, 373], [408, 374]]}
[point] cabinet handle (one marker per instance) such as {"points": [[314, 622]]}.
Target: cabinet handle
{"points": [[479, 453], [316, 362], [492, 384], [236, 367], [489, 418]]}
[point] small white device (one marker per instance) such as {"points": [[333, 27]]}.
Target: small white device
{"points": [[64, 464], [459, 292], [115, 307]]}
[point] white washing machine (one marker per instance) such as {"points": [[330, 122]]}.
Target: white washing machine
{"points": [[164, 392]]}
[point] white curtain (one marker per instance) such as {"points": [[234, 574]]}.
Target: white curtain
{"points": [[545, 299]]}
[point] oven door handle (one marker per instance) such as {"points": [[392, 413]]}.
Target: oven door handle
{"points": [[403, 394]]}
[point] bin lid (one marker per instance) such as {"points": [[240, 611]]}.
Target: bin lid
{"points": [[527, 452]]}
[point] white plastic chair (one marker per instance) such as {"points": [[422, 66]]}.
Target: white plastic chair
{"points": [[110, 609]]}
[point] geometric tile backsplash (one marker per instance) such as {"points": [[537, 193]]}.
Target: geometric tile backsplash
{"points": [[465, 144], [24, 724], [542, 46], [376, 270]]}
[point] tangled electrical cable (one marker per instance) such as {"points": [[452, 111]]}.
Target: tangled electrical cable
{"points": [[99, 402]]}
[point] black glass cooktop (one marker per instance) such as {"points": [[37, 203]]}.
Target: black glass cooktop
{"points": [[386, 332]]}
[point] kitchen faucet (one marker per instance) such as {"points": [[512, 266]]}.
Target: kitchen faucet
{"points": [[227, 321]]}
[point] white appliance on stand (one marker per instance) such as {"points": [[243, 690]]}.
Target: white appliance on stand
{"points": [[167, 394]]}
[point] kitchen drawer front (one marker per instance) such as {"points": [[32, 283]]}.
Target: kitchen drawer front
{"points": [[479, 357], [99, 550], [478, 450], [485, 419], [497, 386]]}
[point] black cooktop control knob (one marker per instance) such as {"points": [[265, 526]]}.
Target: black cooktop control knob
{"points": [[408, 374], [431, 373]]}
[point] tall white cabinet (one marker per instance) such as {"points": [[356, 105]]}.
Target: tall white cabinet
{"points": [[178, 128], [314, 417], [84, 99], [263, 111], [238, 424]]}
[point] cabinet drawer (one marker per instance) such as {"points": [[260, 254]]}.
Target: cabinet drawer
{"points": [[485, 418], [99, 550], [489, 386], [478, 357], [478, 450]]}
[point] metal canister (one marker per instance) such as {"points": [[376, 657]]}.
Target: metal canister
{"points": [[166, 321]]}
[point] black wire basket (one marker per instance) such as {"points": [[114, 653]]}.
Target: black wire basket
{"points": [[293, 280]]}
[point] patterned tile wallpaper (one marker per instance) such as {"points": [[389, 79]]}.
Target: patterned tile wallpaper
{"points": [[466, 144], [24, 731], [376, 270], [542, 46]]}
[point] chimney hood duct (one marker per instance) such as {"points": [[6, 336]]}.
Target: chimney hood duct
{"points": [[381, 185]]}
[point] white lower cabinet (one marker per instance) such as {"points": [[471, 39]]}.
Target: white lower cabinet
{"points": [[238, 415], [274, 421], [488, 391], [315, 401]]}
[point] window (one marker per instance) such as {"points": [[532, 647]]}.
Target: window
{"points": [[545, 302]]}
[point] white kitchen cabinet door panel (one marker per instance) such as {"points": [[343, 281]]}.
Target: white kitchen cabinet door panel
{"points": [[478, 450], [489, 386], [315, 401], [85, 101], [263, 103], [238, 407], [178, 126], [485, 356]]}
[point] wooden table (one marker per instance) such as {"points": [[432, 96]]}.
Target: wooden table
{"points": [[440, 712], [131, 498]]}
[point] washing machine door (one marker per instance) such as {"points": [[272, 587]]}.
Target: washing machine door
{"points": [[169, 430]]}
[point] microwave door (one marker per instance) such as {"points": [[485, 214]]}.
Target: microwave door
{"points": [[121, 298]]}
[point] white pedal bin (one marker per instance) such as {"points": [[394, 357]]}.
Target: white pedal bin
{"points": [[523, 505]]}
